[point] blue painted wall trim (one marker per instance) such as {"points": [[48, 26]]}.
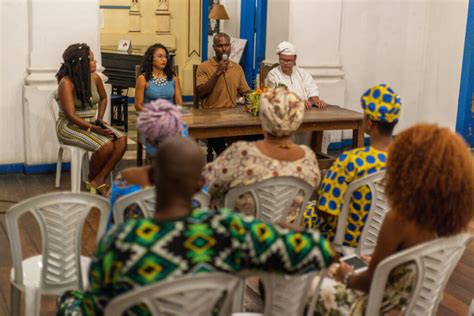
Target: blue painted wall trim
{"points": [[464, 118], [204, 29], [119, 7], [32, 169], [247, 31]]}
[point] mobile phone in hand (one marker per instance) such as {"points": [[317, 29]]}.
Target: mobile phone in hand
{"points": [[355, 261]]}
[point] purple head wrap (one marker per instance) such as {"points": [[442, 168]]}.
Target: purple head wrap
{"points": [[159, 119]]}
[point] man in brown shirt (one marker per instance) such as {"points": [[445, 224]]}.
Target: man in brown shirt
{"points": [[219, 81]]}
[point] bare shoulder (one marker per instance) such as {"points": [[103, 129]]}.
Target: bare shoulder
{"points": [[66, 84]]}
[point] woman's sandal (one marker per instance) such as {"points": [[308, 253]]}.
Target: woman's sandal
{"points": [[103, 189]]}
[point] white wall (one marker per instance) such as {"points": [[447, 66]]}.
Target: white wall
{"points": [[13, 61], [278, 20], [34, 33], [231, 26], [415, 46]]}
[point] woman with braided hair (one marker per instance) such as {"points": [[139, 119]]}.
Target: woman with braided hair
{"points": [[157, 79], [80, 93]]}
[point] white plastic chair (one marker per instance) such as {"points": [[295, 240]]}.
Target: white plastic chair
{"points": [[145, 199], [60, 216], [376, 215], [286, 294], [187, 295], [273, 197], [78, 154], [435, 261]]}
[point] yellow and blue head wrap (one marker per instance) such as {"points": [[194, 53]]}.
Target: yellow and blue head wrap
{"points": [[381, 103]]}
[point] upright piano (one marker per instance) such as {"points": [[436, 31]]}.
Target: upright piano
{"points": [[120, 66]]}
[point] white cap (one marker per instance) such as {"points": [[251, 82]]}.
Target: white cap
{"points": [[286, 48]]}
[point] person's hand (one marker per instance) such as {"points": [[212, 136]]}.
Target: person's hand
{"points": [[307, 104], [366, 259], [320, 104], [342, 272], [222, 67], [102, 131]]}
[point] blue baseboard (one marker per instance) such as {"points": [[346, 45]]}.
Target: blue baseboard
{"points": [[346, 143], [32, 169], [12, 168]]}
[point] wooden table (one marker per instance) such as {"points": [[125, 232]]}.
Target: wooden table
{"points": [[211, 123]]}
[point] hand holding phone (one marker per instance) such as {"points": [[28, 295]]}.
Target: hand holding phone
{"points": [[107, 131], [356, 262]]}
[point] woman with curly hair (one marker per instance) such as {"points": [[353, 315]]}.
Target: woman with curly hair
{"points": [[158, 79], [80, 93], [429, 186]]}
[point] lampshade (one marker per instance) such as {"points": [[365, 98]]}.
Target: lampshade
{"points": [[218, 13]]}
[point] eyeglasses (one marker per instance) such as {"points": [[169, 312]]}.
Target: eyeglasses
{"points": [[288, 62], [160, 56]]}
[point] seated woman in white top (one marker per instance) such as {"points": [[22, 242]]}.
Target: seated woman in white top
{"points": [[246, 163]]}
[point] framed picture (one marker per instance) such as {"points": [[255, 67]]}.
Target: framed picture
{"points": [[124, 45]]}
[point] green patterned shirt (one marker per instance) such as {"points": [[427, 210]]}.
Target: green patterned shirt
{"points": [[145, 251]]}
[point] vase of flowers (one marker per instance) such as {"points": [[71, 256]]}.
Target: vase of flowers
{"points": [[252, 101]]}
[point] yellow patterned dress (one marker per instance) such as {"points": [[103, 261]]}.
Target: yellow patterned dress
{"points": [[348, 167]]}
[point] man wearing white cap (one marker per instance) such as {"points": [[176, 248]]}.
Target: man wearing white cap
{"points": [[296, 79]]}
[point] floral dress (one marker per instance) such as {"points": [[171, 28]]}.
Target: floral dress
{"points": [[243, 164], [337, 300], [348, 167]]}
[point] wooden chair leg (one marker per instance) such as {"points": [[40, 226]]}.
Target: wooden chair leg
{"points": [[139, 154]]}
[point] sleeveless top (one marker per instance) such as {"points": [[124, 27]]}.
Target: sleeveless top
{"points": [[95, 98], [162, 91]]}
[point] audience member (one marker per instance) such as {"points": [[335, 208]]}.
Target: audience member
{"points": [[80, 93], [157, 79], [180, 241], [219, 81], [381, 108], [159, 119], [429, 186], [295, 78], [245, 163]]}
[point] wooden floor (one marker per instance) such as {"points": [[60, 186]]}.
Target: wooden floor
{"points": [[459, 291]]}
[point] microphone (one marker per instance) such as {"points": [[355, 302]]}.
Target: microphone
{"points": [[225, 57]]}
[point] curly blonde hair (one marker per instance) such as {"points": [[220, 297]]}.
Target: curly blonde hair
{"points": [[430, 178]]}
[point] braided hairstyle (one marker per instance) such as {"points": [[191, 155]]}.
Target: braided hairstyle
{"points": [[76, 65], [147, 64]]}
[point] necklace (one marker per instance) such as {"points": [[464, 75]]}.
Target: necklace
{"points": [[282, 146], [159, 81]]}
